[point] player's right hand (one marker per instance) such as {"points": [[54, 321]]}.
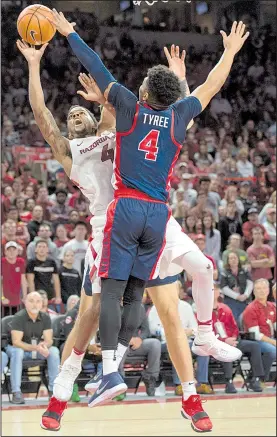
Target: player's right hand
{"points": [[175, 62], [31, 54], [236, 39]]}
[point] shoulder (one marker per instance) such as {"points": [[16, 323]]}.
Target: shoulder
{"points": [[45, 317], [22, 314], [225, 308]]}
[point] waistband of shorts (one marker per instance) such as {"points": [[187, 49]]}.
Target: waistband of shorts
{"points": [[134, 194]]}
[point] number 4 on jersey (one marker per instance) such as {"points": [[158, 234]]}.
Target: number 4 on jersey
{"points": [[149, 145]]}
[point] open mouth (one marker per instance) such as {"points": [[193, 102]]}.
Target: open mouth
{"points": [[78, 122]]}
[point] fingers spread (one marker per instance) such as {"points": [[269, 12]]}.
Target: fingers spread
{"points": [[234, 26]]}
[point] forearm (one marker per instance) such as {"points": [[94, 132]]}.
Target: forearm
{"points": [[25, 346], [31, 285], [230, 293], [185, 91], [36, 96], [249, 288], [107, 120], [91, 61], [259, 263], [268, 340], [57, 288], [24, 286], [220, 72]]}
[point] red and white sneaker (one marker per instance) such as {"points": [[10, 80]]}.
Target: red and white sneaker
{"points": [[51, 418], [192, 409]]}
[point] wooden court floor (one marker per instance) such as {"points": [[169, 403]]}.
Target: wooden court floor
{"points": [[249, 416]]}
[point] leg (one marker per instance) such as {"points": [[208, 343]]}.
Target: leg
{"points": [[254, 349], [4, 361], [53, 362], [269, 356], [16, 356]]}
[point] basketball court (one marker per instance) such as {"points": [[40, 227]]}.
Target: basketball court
{"points": [[244, 415]]}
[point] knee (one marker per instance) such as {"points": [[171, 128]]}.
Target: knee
{"points": [[154, 345], [54, 352], [134, 291], [17, 353]]}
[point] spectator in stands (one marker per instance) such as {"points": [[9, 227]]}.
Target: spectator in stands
{"points": [[190, 226], [21, 227], [235, 246], [213, 238], [42, 273], [201, 205], [32, 136], [180, 207], [78, 245], [189, 324], [44, 234], [247, 227], [260, 318], [70, 279], [10, 136], [150, 348], [29, 191], [17, 187], [74, 217], [225, 327], [32, 336], [59, 213], [200, 241], [189, 195], [45, 308], [26, 177], [236, 285], [29, 207], [44, 202], [213, 199], [261, 256], [61, 236], [270, 204], [219, 106], [72, 302], [34, 225], [79, 203], [14, 284], [9, 234], [270, 226], [203, 158], [231, 195], [245, 198], [244, 166], [229, 225]]}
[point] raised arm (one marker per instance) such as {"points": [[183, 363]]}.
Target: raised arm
{"points": [[217, 77], [45, 120]]}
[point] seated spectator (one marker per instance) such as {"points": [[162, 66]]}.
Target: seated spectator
{"points": [[225, 327], [190, 226], [78, 245], [244, 166], [150, 348], [231, 195], [270, 204], [235, 246], [253, 222], [270, 226], [229, 225], [9, 234], [213, 238], [261, 256], [20, 205], [14, 284], [74, 217], [45, 308], [245, 198], [236, 285], [59, 213], [189, 324], [32, 337], [33, 225], [200, 241], [70, 279], [44, 202], [61, 236], [21, 227], [44, 234], [72, 302], [79, 203], [260, 318], [26, 177], [42, 273]]}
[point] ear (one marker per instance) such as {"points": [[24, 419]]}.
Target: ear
{"points": [[145, 96]]}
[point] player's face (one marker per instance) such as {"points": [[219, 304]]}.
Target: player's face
{"points": [[79, 123], [143, 93]]}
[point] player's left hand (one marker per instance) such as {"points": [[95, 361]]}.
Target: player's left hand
{"points": [[61, 23], [93, 92], [135, 343], [175, 62], [58, 300], [31, 54]]}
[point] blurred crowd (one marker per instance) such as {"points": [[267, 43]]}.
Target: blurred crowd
{"points": [[223, 188]]}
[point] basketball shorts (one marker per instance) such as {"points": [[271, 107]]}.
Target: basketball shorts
{"points": [[134, 238]]}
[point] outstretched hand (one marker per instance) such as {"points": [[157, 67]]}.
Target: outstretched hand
{"points": [[236, 39], [61, 23], [93, 92], [175, 62], [31, 54]]}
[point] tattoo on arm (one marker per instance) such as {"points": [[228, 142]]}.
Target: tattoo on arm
{"points": [[52, 134]]}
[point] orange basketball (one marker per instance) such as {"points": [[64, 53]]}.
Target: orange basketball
{"points": [[34, 26]]}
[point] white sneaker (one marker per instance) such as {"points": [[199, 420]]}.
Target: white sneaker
{"points": [[216, 348], [63, 384]]}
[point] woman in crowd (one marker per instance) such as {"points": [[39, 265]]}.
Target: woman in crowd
{"points": [[213, 238]]}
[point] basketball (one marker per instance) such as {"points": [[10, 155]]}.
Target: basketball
{"points": [[34, 26]]}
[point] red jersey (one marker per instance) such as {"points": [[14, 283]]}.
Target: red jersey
{"points": [[224, 315], [263, 317], [11, 277]]}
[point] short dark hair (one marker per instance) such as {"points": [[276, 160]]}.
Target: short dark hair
{"points": [[44, 225], [88, 111], [61, 190], [80, 223], [163, 85], [41, 241], [204, 179]]}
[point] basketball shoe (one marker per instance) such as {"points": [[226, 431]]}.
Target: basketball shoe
{"points": [[63, 384], [51, 418], [112, 385], [206, 343], [94, 383], [192, 409]]}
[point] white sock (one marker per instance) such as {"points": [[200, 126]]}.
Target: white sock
{"points": [[75, 358], [109, 362], [121, 349], [188, 389], [203, 333]]}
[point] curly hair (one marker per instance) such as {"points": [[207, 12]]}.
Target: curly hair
{"points": [[163, 85]]}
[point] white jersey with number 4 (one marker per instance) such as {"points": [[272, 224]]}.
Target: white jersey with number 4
{"points": [[92, 169]]}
